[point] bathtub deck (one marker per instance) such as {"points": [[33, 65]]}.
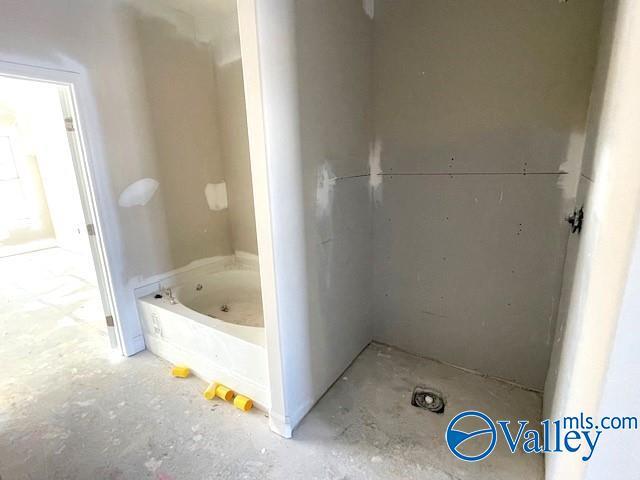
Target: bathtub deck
{"points": [[73, 411]]}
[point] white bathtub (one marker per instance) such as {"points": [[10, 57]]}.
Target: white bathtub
{"points": [[216, 328]]}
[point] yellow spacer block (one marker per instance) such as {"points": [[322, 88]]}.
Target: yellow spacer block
{"points": [[243, 403], [210, 392], [224, 393], [180, 371]]}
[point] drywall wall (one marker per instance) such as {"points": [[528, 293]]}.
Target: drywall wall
{"points": [[232, 119], [308, 101], [179, 83], [589, 339], [570, 280], [333, 41], [480, 110], [197, 109], [268, 47]]}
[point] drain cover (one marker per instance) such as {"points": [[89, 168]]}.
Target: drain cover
{"points": [[428, 398]]}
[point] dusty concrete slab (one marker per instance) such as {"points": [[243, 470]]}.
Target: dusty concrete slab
{"points": [[71, 410]]}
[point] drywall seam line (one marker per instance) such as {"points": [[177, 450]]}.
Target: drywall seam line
{"points": [[347, 177], [453, 174], [449, 174]]}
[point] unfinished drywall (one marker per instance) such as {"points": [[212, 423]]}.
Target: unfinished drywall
{"points": [[480, 112], [590, 345], [179, 84], [193, 77], [570, 280], [333, 41], [308, 98], [467, 169], [232, 119]]}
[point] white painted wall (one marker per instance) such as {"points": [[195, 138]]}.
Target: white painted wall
{"points": [[589, 339]]}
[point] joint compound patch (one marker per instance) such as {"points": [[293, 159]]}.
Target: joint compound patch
{"points": [[324, 190], [138, 193], [216, 195], [368, 7], [375, 170]]}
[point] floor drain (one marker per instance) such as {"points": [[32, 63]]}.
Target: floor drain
{"points": [[224, 308], [428, 398]]}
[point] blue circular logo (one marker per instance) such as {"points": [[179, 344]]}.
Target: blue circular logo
{"points": [[455, 438]]}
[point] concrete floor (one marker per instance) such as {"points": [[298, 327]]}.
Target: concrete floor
{"points": [[69, 409]]}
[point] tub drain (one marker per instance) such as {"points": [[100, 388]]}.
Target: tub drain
{"points": [[224, 307], [428, 398]]}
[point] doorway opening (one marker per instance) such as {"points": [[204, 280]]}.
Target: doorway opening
{"points": [[55, 296]]}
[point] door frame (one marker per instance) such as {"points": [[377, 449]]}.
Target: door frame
{"points": [[90, 171]]}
